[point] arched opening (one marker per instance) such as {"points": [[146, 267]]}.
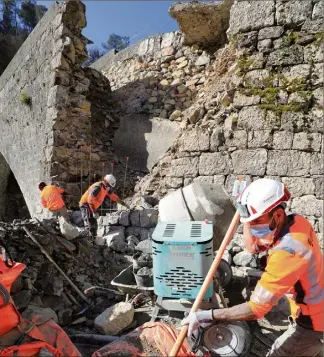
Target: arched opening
{"points": [[12, 202]]}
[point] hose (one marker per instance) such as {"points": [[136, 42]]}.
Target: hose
{"points": [[88, 338]]}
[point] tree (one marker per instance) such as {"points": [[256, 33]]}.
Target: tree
{"points": [[93, 54], [30, 13], [116, 42], [8, 10]]}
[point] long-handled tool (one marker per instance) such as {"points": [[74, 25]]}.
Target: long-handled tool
{"points": [[82, 296], [209, 278]]}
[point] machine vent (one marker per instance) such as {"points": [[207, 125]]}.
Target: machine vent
{"points": [[169, 230], [195, 230]]}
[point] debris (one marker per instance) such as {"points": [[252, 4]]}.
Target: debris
{"points": [[243, 259], [115, 318], [116, 241], [68, 230]]}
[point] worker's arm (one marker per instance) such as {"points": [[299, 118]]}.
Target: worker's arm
{"points": [[92, 198], [60, 190], [116, 199]]}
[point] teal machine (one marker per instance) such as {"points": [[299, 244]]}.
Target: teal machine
{"points": [[182, 256]]}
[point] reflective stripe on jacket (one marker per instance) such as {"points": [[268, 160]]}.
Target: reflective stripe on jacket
{"points": [[96, 194], [51, 197], [294, 269]]}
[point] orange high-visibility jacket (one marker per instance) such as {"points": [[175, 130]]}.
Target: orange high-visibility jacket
{"points": [[51, 197], [43, 332], [96, 194], [294, 269]]}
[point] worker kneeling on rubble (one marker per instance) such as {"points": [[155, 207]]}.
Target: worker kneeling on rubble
{"points": [[294, 268], [51, 197], [95, 195]]}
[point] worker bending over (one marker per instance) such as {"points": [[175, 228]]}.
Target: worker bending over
{"points": [[294, 268], [95, 195], [51, 197]]}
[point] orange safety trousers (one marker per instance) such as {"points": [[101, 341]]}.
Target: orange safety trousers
{"points": [[294, 269], [40, 333], [51, 197]]}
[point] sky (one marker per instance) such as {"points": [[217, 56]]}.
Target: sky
{"points": [[136, 19]]}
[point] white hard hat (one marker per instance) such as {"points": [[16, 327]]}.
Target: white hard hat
{"points": [[111, 180], [260, 197]]}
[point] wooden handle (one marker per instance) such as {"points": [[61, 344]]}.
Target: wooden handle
{"points": [[209, 278]]}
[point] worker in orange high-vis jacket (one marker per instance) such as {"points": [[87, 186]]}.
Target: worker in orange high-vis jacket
{"points": [[51, 197], [94, 197], [294, 269]]}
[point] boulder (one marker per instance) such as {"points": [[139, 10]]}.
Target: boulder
{"points": [[115, 319], [145, 246], [148, 218], [116, 241], [243, 259]]}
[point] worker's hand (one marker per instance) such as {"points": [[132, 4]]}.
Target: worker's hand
{"points": [[195, 319], [95, 215]]}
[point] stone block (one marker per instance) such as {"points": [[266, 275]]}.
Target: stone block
{"points": [[248, 39], [145, 246], [236, 138], [241, 100], [194, 140], [124, 218], [250, 162], [174, 182], [229, 182], [116, 241], [286, 56], [300, 71], [314, 54], [307, 205], [252, 118], [318, 10], [319, 187], [307, 141], [148, 218], [184, 167], [293, 12], [216, 139], [219, 179], [312, 27], [316, 165], [282, 140], [288, 163], [264, 46], [317, 75], [260, 139], [299, 186], [115, 319], [214, 163], [135, 218], [203, 59], [109, 219], [205, 179], [256, 78], [315, 120], [136, 231], [270, 32], [251, 15], [292, 121], [319, 98]]}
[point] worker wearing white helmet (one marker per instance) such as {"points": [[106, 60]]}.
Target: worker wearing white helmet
{"points": [[294, 269], [94, 197]]}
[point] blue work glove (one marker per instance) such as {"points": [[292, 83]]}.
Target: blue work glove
{"points": [[196, 319]]}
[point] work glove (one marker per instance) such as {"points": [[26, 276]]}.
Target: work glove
{"points": [[95, 215], [196, 319]]}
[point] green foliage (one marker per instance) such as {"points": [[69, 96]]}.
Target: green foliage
{"points": [[25, 99], [280, 108], [116, 42], [17, 20], [244, 65], [319, 38]]}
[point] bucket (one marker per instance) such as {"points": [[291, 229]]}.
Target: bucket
{"points": [[197, 202], [144, 277]]}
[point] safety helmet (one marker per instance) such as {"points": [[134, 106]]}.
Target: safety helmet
{"points": [[111, 180], [260, 197], [41, 185]]}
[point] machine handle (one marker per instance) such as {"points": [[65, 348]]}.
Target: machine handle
{"points": [[209, 278]]}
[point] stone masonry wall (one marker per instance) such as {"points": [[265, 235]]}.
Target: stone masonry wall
{"points": [[263, 115], [45, 107]]}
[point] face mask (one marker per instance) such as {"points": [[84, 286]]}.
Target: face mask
{"points": [[263, 233]]}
